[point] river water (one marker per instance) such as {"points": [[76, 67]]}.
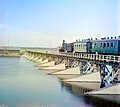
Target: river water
{"points": [[23, 85]]}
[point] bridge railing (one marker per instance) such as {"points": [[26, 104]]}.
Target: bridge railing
{"points": [[99, 57], [88, 56]]}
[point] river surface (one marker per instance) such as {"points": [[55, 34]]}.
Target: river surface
{"points": [[23, 85]]}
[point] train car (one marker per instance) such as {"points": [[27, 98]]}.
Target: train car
{"points": [[84, 46], [106, 46], [69, 47]]}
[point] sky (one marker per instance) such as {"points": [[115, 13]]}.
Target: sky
{"points": [[45, 23]]}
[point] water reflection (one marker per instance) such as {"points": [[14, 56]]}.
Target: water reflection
{"points": [[75, 89], [102, 102], [79, 91]]}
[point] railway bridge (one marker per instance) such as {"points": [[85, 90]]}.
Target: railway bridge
{"points": [[97, 75], [107, 66]]}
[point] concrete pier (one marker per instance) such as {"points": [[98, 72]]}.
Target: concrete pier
{"points": [[110, 93], [68, 73], [113, 90], [39, 60], [30, 58], [47, 64], [44, 61], [71, 71], [86, 85], [93, 77], [89, 81], [35, 59], [55, 67]]}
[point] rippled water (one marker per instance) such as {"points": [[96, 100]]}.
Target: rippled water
{"points": [[23, 85]]}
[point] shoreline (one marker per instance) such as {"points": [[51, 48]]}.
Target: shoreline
{"points": [[10, 53]]}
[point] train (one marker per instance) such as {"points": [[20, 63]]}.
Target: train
{"points": [[102, 46]]}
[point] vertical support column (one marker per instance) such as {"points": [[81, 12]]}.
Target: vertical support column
{"points": [[106, 75], [116, 73]]}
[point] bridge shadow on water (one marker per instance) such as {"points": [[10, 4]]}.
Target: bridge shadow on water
{"points": [[98, 101]]}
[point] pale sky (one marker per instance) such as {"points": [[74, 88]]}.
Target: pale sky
{"points": [[45, 23]]}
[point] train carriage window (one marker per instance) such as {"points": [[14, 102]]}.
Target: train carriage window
{"points": [[95, 45], [80, 45], [100, 44], [107, 44], [104, 45], [115, 45], [111, 45]]}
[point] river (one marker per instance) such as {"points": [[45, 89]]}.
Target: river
{"points": [[23, 85]]}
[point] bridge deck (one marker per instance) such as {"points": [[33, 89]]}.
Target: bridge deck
{"points": [[98, 58]]}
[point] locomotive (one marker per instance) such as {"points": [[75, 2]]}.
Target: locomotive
{"points": [[66, 47], [103, 46]]}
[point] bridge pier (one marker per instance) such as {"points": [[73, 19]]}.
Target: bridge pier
{"points": [[67, 73], [33, 56], [35, 59], [43, 61], [55, 67], [47, 64]]}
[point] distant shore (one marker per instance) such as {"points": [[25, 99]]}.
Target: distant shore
{"points": [[10, 53]]}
